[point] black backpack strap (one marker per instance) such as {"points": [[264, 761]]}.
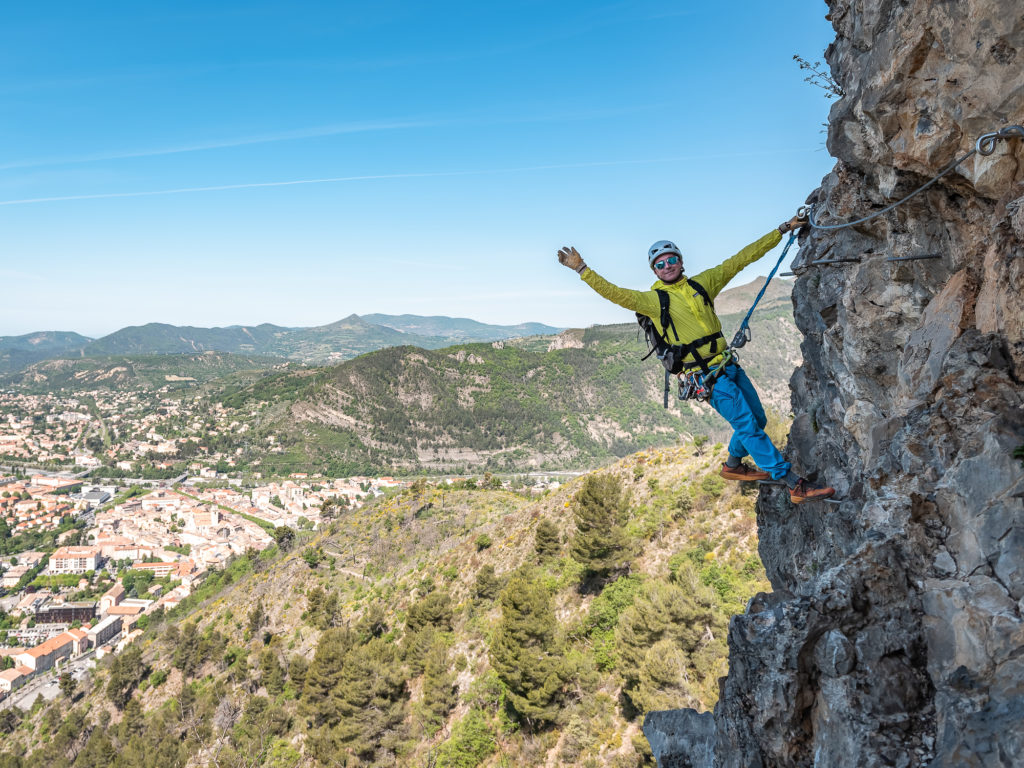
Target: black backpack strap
{"points": [[700, 290], [666, 315]]}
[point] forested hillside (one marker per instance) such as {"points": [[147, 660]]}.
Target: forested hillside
{"points": [[448, 626], [19, 351], [129, 372], [581, 398]]}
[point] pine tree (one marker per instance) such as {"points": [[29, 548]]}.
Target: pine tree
{"points": [[546, 540], [434, 610], [187, 653], [439, 690], [133, 721], [298, 667], [67, 685], [415, 647], [126, 672], [315, 606], [472, 742], [323, 676], [99, 751], [271, 672], [690, 621], [257, 617], [332, 612], [664, 680], [525, 651], [601, 544], [371, 700], [487, 583], [373, 622]]}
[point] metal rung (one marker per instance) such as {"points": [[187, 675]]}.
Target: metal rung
{"points": [[833, 261], [833, 501], [787, 274], [914, 258], [770, 482]]}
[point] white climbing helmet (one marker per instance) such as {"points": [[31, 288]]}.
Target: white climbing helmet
{"points": [[659, 249]]}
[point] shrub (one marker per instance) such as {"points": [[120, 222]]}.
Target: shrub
{"points": [[712, 485], [471, 743]]}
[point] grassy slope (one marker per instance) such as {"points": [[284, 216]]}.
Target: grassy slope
{"points": [[382, 556]]}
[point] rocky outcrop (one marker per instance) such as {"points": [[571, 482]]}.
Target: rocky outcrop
{"points": [[895, 632]]}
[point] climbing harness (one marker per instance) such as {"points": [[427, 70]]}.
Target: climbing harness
{"points": [[672, 356], [985, 146], [697, 385]]}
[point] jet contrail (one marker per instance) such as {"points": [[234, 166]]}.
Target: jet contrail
{"points": [[385, 176], [242, 141]]}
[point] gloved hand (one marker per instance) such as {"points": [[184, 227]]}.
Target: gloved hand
{"points": [[571, 258], [795, 223]]}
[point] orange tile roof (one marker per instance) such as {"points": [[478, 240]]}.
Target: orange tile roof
{"points": [[51, 645]]}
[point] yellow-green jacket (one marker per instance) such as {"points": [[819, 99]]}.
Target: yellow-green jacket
{"points": [[692, 318]]}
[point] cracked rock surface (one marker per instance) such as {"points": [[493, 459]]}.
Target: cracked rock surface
{"points": [[895, 632]]}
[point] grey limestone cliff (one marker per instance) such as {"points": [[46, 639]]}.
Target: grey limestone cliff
{"points": [[895, 632]]}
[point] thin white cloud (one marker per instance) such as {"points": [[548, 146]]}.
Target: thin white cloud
{"points": [[385, 176], [241, 141], [339, 129]]}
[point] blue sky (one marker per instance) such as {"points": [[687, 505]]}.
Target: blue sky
{"points": [[294, 163]]}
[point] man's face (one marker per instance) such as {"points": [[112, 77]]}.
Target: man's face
{"points": [[671, 268]]}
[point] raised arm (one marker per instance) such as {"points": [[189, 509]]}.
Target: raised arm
{"points": [[715, 279], [645, 302]]}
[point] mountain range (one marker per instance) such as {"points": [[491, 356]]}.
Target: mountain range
{"points": [[318, 345]]}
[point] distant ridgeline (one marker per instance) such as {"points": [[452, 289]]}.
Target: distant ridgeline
{"points": [[319, 345]]}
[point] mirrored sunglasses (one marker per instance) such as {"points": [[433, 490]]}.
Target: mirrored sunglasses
{"points": [[671, 261]]}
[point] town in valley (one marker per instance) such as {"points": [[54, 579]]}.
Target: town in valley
{"points": [[114, 508]]}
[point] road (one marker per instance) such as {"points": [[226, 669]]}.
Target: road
{"points": [[47, 472]]}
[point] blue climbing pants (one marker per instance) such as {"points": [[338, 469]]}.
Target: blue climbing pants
{"points": [[735, 398]]}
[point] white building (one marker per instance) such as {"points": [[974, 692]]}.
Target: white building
{"points": [[74, 560]]}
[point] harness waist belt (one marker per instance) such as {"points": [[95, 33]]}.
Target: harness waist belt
{"points": [[699, 361]]}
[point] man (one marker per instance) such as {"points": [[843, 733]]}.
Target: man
{"points": [[693, 319]]}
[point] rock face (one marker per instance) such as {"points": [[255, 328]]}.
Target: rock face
{"points": [[895, 632]]}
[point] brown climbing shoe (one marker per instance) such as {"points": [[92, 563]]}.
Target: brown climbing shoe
{"points": [[743, 472], [804, 491]]}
